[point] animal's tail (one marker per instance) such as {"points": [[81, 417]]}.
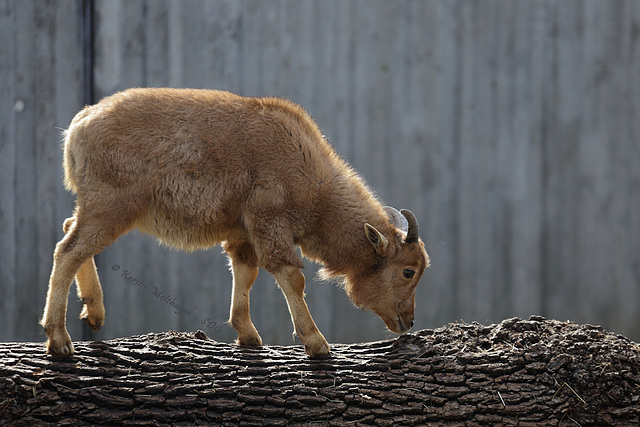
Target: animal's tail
{"points": [[74, 141], [69, 162]]}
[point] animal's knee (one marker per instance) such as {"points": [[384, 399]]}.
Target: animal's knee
{"points": [[67, 244], [67, 224], [78, 244], [291, 279], [298, 282]]}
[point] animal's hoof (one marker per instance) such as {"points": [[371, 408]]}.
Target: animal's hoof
{"points": [[318, 351], [93, 316], [250, 341], [62, 348], [94, 322]]}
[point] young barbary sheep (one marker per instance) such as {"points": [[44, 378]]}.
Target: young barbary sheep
{"points": [[200, 167]]}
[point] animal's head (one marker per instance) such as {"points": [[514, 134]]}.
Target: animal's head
{"points": [[389, 287]]}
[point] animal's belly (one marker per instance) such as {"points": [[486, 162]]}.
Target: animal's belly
{"points": [[185, 232]]}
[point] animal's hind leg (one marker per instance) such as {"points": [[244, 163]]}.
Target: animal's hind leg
{"points": [[90, 292], [67, 259], [86, 236], [89, 289]]}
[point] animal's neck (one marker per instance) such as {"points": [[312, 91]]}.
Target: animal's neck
{"points": [[340, 243]]}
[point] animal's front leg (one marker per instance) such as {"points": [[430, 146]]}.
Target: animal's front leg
{"points": [[291, 281], [243, 277]]}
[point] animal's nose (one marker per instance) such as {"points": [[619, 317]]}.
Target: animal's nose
{"points": [[411, 322]]}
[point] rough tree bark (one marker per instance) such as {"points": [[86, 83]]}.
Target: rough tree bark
{"points": [[520, 372]]}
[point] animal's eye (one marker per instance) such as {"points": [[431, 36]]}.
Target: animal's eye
{"points": [[408, 273]]}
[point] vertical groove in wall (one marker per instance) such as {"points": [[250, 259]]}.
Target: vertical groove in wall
{"points": [[87, 47], [87, 85]]}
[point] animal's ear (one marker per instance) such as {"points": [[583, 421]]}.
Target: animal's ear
{"points": [[377, 240]]}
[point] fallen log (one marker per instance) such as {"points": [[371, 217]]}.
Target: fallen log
{"points": [[520, 372]]}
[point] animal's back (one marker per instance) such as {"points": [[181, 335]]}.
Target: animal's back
{"points": [[196, 158]]}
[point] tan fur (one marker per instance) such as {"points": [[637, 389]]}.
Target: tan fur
{"points": [[196, 168]]}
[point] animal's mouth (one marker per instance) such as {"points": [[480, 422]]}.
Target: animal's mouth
{"points": [[399, 326], [404, 327]]}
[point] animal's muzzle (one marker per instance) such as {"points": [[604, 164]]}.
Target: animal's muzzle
{"points": [[403, 327]]}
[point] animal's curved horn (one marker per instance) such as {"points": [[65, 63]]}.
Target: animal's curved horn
{"points": [[414, 230]]}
